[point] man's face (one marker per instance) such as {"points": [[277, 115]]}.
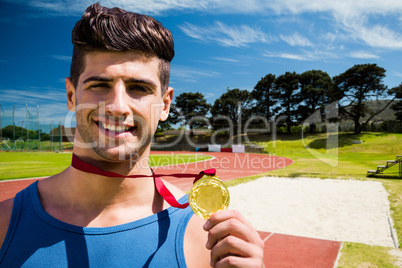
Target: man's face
{"points": [[118, 103]]}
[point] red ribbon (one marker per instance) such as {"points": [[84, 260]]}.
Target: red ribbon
{"points": [[160, 186]]}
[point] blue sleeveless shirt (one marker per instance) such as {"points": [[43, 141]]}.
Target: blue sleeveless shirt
{"points": [[36, 239]]}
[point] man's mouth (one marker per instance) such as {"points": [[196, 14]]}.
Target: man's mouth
{"points": [[117, 129]]}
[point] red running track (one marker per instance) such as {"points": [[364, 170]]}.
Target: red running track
{"points": [[228, 166], [281, 251]]}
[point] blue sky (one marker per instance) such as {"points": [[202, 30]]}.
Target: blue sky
{"points": [[219, 44]]}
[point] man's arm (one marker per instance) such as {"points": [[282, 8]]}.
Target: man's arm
{"points": [[6, 207], [195, 239]]}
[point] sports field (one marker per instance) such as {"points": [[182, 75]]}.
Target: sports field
{"points": [[354, 155]]}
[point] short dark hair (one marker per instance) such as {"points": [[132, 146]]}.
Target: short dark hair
{"points": [[103, 29]]}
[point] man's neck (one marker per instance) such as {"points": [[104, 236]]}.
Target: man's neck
{"points": [[99, 200], [136, 165]]}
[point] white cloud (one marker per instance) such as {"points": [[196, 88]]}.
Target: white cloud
{"points": [[397, 74], [376, 35], [363, 55], [52, 105], [229, 36], [296, 40], [357, 18], [209, 95], [288, 56], [48, 113], [304, 55], [346, 7], [361, 20], [33, 95], [226, 59], [69, 7], [189, 74], [62, 57], [292, 56]]}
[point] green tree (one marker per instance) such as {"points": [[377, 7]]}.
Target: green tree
{"points": [[397, 106], [287, 94], [20, 133], [188, 107], [163, 126], [315, 86], [235, 104], [264, 97], [358, 84], [8, 132], [44, 136]]}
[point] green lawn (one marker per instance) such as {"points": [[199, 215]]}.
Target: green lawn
{"points": [[16, 165], [348, 160], [360, 255]]}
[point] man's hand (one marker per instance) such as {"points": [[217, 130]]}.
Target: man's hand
{"points": [[233, 241]]}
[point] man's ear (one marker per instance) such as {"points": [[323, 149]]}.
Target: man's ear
{"points": [[70, 94], [167, 100]]}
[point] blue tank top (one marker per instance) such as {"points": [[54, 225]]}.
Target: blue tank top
{"points": [[36, 239]]}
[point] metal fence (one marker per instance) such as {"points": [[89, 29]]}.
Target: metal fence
{"points": [[27, 133]]}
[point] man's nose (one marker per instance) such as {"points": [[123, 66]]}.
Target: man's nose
{"points": [[118, 103]]}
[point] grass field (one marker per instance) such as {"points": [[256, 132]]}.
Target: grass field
{"points": [[312, 158], [16, 165], [348, 160]]}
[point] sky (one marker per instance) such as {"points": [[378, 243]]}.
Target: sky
{"points": [[219, 44]]}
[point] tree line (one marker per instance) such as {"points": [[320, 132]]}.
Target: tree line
{"points": [[294, 98], [11, 132]]}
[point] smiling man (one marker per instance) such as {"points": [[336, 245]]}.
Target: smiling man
{"points": [[103, 210], [121, 101]]}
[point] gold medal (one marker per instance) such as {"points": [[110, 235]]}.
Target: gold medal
{"points": [[208, 195]]}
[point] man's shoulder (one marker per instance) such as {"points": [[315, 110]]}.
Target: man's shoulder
{"points": [[195, 240], [6, 208]]}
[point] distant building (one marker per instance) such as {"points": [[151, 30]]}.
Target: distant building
{"points": [[67, 133]]}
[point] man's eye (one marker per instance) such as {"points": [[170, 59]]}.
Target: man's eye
{"points": [[99, 86], [139, 88]]}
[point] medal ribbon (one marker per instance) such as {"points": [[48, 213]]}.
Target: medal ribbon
{"points": [[160, 186]]}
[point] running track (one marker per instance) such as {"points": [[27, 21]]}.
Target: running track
{"points": [[281, 250]]}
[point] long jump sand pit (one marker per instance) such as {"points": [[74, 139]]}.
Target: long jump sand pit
{"points": [[341, 210]]}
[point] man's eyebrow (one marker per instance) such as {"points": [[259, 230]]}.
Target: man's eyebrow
{"points": [[129, 80], [97, 79], [140, 81]]}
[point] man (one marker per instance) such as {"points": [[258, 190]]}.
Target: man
{"points": [[79, 218]]}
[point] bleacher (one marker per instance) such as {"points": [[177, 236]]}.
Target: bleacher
{"points": [[381, 168]]}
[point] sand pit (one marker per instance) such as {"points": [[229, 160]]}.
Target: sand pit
{"points": [[341, 210]]}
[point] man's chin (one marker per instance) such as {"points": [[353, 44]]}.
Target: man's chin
{"points": [[118, 154]]}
